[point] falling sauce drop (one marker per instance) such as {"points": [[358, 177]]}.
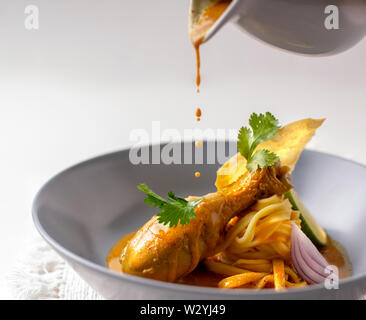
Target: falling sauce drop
{"points": [[198, 144], [198, 113]]}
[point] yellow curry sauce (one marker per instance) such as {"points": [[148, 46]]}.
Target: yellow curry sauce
{"points": [[200, 29], [332, 252]]}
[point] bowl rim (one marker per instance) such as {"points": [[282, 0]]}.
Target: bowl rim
{"points": [[162, 284]]}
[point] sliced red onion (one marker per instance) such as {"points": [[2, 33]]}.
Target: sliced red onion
{"points": [[297, 265], [315, 265], [319, 263], [308, 261], [311, 250], [305, 268]]}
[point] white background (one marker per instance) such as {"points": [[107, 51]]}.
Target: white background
{"points": [[95, 70]]}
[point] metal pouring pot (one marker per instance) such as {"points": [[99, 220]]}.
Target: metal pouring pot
{"points": [[310, 27]]}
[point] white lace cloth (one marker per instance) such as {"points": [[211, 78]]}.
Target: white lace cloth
{"points": [[42, 274]]}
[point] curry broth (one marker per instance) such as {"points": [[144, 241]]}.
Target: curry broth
{"points": [[114, 256], [336, 255], [332, 252]]}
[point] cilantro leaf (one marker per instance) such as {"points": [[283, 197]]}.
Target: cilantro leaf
{"points": [[244, 141], [263, 127], [152, 199], [173, 211], [262, 159]]}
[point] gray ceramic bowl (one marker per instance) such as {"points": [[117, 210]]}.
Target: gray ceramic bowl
{"points": [[84, 210]]}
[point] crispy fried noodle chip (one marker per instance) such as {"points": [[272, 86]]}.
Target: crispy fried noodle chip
{"points": [[288, 144]]}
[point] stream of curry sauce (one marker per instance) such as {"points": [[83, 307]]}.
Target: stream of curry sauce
{"points": [[197, 34], [200, 29], [332, 252]]}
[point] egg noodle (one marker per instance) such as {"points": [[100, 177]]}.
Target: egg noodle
{"points": [[256, 249]]}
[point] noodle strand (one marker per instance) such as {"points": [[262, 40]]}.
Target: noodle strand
{"points": [[256, 250]]}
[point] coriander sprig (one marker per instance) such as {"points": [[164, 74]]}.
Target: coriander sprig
{"points": [[263, 128], [176, 210]]}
